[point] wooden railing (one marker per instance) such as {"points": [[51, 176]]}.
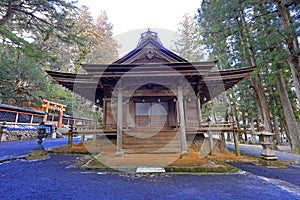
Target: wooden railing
{"points": [[83, 130]]}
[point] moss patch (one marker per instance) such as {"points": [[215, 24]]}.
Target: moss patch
{"points": [[197, 169], [74, 150], [173, 163]]}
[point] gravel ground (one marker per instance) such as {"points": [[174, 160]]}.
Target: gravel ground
{"points": [[52, 179], [291, 174], [256, 150], [20, 148]]}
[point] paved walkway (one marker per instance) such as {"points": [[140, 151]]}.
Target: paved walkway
{"points": [[59, 181], [21, 148], [54, 179], [256, 149]]}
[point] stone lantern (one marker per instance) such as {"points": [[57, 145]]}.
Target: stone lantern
{"points": [[3, 132], [267, 144], [41, 130], [39, 151]]}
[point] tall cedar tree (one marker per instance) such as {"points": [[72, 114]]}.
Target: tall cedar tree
{"points": [[246, 33]]}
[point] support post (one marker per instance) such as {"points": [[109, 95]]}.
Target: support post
{"points": [[70, 136], [199, 110], [177, 116], [104, 112], [60, 124], [126, 114], [119, 151], [82, 138], [223, 148], [31, 120], [16, 119], [94, 141], [46, 109], [182, 121], [236, 143], [211, 143]]}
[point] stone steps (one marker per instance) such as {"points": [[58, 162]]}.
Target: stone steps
{"points": [[152, 151]]}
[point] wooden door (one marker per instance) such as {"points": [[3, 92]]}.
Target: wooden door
{"points": [[152, 114]]}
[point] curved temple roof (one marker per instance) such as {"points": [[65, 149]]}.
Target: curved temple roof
{"points": [[151, 61]]}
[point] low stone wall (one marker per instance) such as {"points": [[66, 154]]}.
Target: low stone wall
{"points": [[18, 135]]}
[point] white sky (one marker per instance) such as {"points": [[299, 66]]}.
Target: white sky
{"points": [[130, 18], [127, 15]]}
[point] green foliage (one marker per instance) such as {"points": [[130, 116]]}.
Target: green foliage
{"points": [[21, 22], [49, 34], [230, 29], [21, 80], [188, 45], [105, 49]]}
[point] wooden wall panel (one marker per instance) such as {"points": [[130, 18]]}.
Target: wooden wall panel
{"points": [[110, 121], [172, 114], [191, 112]]}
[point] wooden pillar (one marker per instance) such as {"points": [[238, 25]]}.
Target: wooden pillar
{"points": [[104, 112], [126, 113], [211, 143], [70, 136], [31, 120], [46, 109], [60, 124], [94, 141], [182, 121], [119, 151], [223, 148], [16, 119], [82, 138], [184, 112], [199, 110], [177, 116]]}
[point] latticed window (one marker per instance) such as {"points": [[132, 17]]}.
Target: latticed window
{"points": [[24, 118], [7, 116], [37, 119], [49, 118], [65, 121]]}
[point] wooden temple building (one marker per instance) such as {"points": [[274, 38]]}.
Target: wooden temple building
{"points": [[151, 97]]}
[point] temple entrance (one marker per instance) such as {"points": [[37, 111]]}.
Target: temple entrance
{"points": [[152, 114]]}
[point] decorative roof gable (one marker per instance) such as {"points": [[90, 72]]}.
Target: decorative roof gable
{"points": [[150, 50]]}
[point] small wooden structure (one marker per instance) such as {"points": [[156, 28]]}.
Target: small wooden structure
{"points": [[151, 97], [25, 117], [50, 105]]}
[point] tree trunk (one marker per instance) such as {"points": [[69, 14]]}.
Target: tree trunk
{"points": [[252, 128], [291, 122], [261, 102], [235, 113], [292, 44], [228, 114], [276, 130], [256, 80], [244, 116]]}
